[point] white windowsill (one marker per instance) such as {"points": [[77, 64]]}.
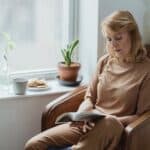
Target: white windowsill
{"points": [[55, 88]]}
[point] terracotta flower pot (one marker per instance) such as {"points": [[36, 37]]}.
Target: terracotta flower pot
{"points": [[68, 73]]}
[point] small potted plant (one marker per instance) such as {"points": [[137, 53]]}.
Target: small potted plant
{"points": [[68, 69]]}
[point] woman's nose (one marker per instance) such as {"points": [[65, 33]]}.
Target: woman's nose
{"points": [[114, 43]]}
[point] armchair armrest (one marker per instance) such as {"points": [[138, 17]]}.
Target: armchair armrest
{"points": [[138, 133], [141, 121], [67, 102]]}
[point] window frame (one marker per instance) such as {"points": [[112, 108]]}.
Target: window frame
{"points": [[69, 33]]}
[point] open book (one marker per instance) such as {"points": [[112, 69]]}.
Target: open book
{"points": [[79, 116]]}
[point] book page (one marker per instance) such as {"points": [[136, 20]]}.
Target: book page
{"points": [[78, 116]]}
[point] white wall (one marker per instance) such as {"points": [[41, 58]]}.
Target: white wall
{"points": [[20, 119]]}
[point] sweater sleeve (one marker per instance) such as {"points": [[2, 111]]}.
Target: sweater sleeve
{"points": [[91, 93], [143, 104]]}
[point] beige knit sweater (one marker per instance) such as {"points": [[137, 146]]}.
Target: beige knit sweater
{"points": [[120, 89]]}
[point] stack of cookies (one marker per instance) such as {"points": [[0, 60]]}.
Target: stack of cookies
{"points": [[37, 83]]}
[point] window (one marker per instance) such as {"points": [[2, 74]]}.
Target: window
{"points": [[39, 30]]}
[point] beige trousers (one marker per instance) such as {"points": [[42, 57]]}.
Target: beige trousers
{"points": [[105, 135]]}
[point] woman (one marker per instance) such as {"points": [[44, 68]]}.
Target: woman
{"points": [[120, 88]]}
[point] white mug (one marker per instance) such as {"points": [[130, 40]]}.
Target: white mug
{"points": [[19, 85]]}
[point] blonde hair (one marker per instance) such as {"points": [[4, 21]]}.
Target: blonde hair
{"points": [[124, 20]]}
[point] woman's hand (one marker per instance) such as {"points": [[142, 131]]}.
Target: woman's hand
{"points": [[85, 126], [88, 126]]}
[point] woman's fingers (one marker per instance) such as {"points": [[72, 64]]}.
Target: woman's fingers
{"points": [[78, 124], [88, 126], [84, 126], [92, 124]]}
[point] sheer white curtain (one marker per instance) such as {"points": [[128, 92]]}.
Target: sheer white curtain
{"points": [[37, 27]]}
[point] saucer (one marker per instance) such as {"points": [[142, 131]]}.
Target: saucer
{"points": [[36, 89], [70, 83]]}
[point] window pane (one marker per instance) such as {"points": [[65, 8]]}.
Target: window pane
{"points": [[36, 26]]}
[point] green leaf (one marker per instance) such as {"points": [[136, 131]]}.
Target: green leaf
{"points": [[67, 52], [63, 53], [6, 36], [73, 45], [10, 44]]}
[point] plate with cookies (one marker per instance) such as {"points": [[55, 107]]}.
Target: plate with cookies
{"points": [[37, 85]]}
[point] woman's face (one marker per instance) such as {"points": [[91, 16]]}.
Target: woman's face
{"points": [[118, 43]]}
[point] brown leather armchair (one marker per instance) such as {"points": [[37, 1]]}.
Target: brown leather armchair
{"points": [[135, 137]]}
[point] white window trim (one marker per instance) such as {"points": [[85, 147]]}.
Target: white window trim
{"points": [[89, 36], [47, 74], [71, 11], [71, 20]]}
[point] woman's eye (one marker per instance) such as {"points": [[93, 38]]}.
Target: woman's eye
{"points": [[108, 39], [118, 38]]}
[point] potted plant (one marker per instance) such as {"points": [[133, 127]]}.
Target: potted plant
{"points": [[68, 69]]}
